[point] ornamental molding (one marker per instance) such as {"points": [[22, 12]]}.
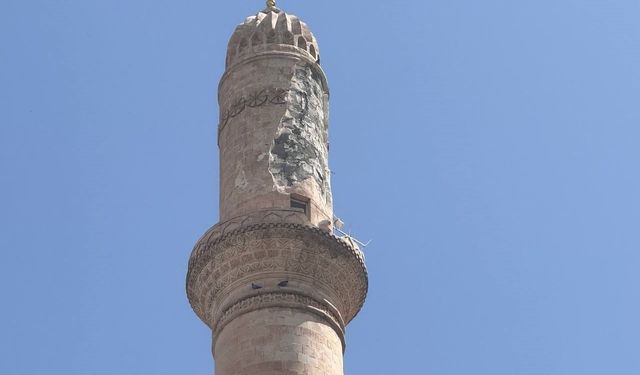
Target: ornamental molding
{"points": [[263, 220], [258, 98], [219, 261], [283, 300], [281, 52], [256, 217]]}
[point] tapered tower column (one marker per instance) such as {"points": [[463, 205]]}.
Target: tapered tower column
{"points": [[271, 280]]}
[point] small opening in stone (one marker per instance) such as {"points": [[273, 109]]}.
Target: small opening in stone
{"points": [[300, 203], [257, 40], [312, 50], [302, 43], [287, 38], [271, 37], [243, 45]]}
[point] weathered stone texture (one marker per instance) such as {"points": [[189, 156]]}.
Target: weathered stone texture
{"points": [[273, 137], [300, 150], [279, 341], [272, 31], [318, 265]]}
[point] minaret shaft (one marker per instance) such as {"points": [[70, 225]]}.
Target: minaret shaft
{"points": [[273, 137], [278, 340]]}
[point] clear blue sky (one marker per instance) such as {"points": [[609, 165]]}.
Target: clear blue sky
{"points": [[489, 148]]}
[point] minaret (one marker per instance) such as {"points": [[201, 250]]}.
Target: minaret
{"points": [[273, 282]]}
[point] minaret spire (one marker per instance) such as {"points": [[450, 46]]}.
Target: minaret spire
{"points": [[271, 4]]}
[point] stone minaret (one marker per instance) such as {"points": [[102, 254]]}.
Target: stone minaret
{"points": [[273, 282]]}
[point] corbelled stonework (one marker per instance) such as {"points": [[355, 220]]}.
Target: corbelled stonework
{"points": [[267, 252], [273, 282]]}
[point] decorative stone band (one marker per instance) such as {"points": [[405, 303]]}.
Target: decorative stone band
{"points": [[280, 52], [254, 100], [258, 217], [281, 299], [223, 261], [271, 30]]}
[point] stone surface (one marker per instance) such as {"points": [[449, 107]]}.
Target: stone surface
{"points": [[273, 137], [273, 132], [271, 280], [299, 150], [278, 341], [271, 30], [316, 265]]}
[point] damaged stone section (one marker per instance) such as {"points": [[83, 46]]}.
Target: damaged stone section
{"points": [[299, 150]]}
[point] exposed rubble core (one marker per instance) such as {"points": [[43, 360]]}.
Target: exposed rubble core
{"points": [[299, 150]]}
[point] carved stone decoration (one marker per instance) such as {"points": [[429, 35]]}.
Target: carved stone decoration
{"points": [[257, 99], [224, 264], [279, 96], [268, 31], [254, 100], [280, 299]]}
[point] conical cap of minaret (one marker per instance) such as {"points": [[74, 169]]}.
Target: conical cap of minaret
{"points": [[272, 30], [273, 132]]}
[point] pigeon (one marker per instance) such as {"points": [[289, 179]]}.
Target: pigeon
{"points": [[255, 286], [284, 283]]}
